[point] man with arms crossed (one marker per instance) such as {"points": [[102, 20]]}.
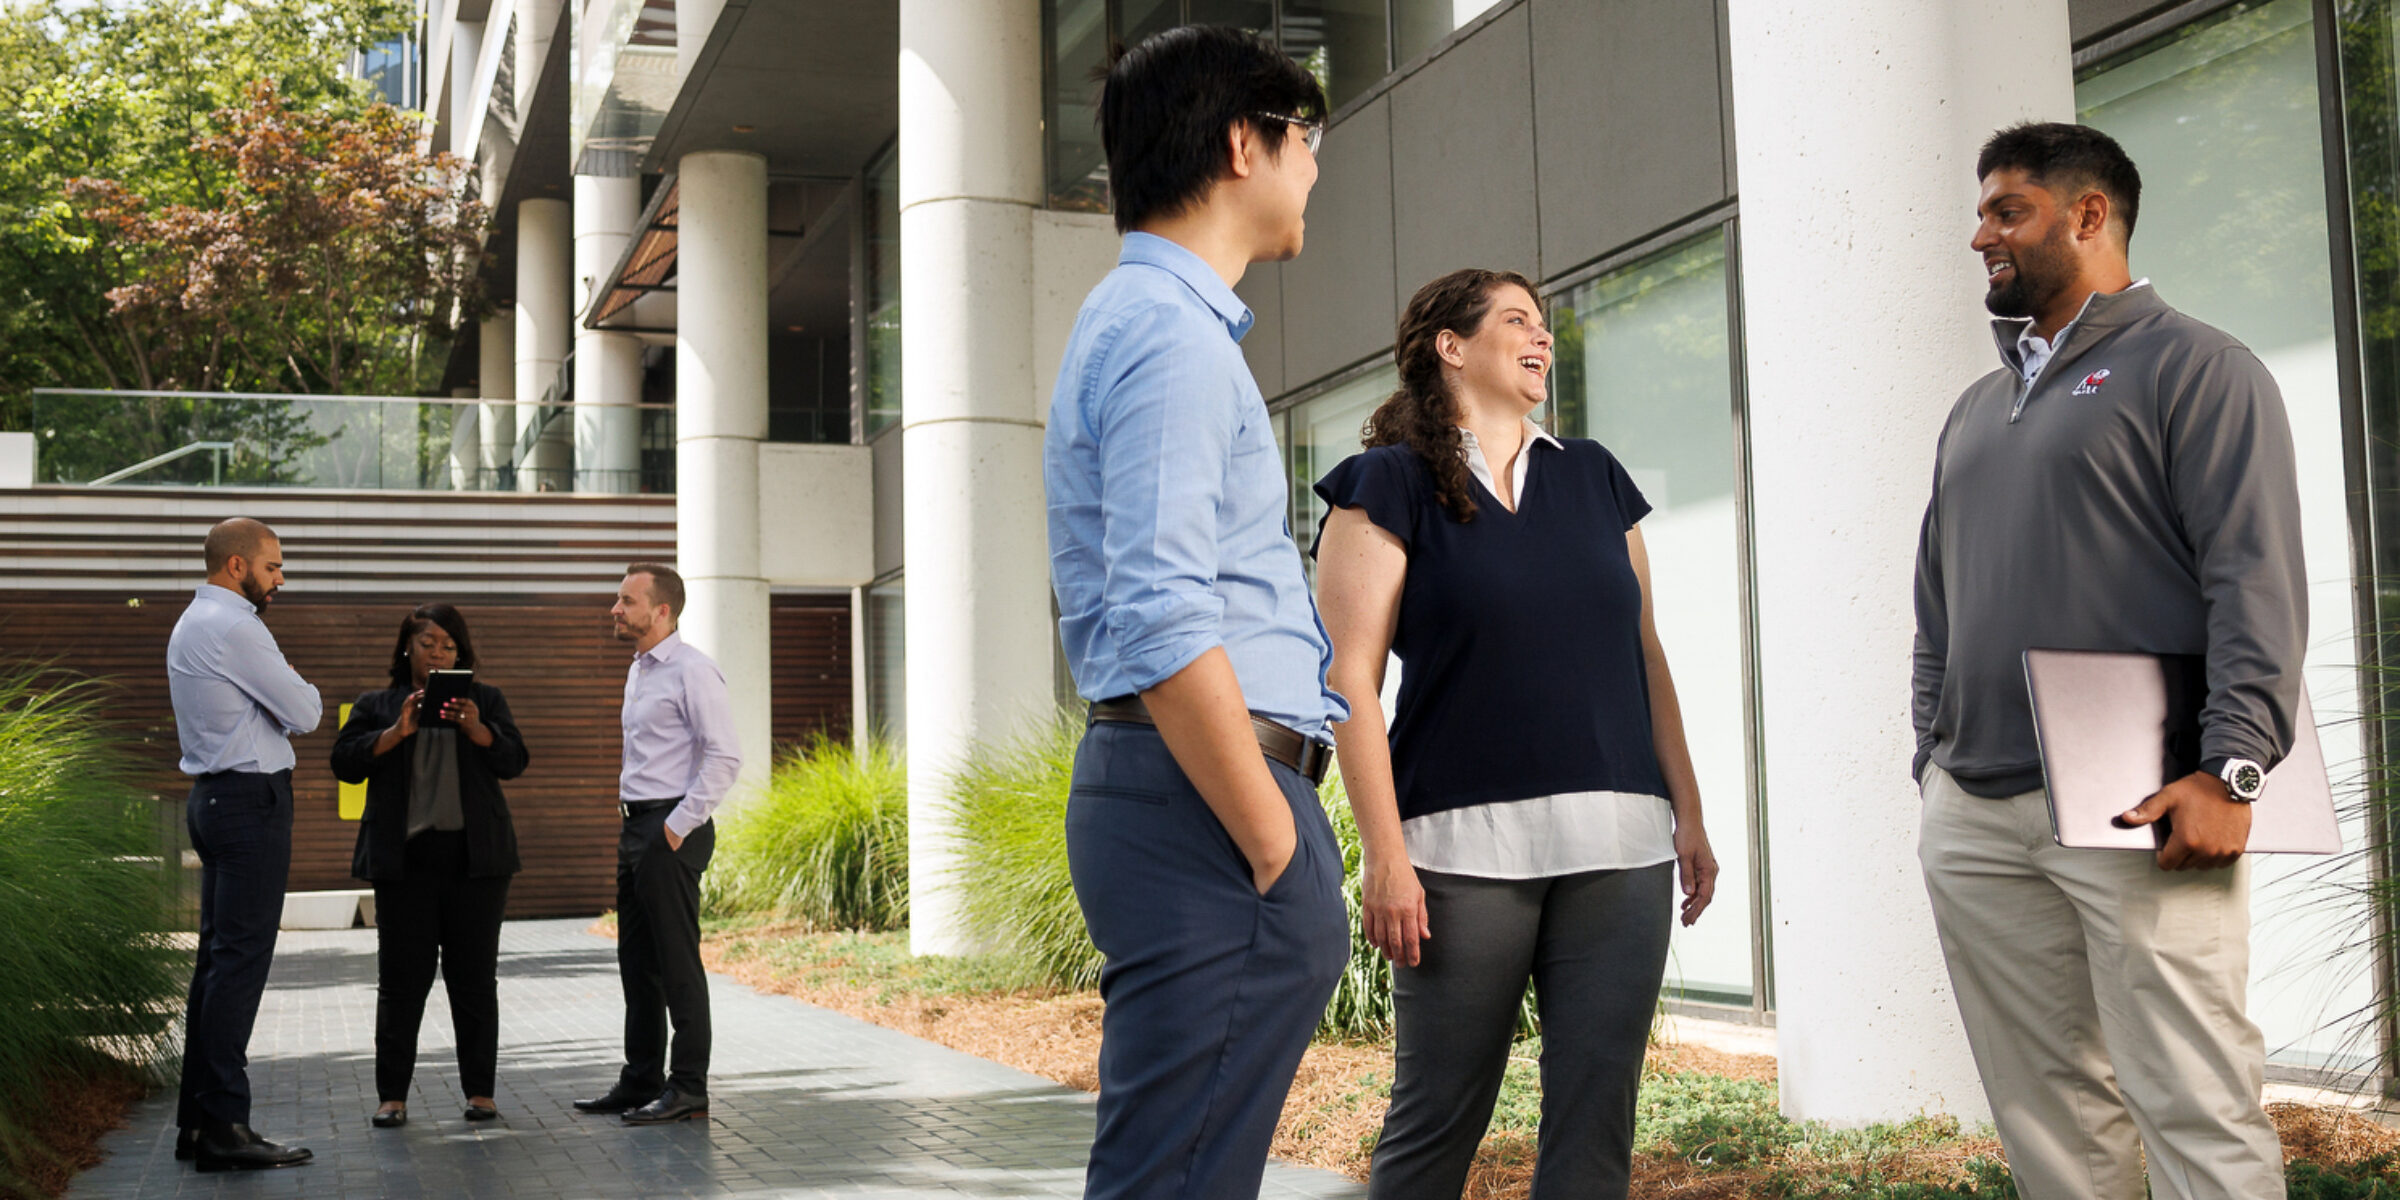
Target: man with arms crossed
{"points": [[237, 706], [2125, 482], [1206, 870], [680, 759]]}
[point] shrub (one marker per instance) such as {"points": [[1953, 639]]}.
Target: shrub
{"points": [[86, 906], [826, 844], [1015, 894]]}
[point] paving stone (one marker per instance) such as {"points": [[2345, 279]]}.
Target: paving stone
{"points": [[806, 1103]]}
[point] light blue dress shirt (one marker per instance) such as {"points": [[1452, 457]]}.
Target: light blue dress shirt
{"points": [[237, 702], [678, 726], [1169, 532]]}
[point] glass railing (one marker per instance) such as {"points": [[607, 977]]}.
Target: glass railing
{"points": [[378, 443]]}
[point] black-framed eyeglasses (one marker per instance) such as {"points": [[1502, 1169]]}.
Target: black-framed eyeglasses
{"points": [[1312, 133]]}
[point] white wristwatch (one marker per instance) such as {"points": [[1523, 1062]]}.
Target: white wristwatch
{"points": [[2244, 779]]}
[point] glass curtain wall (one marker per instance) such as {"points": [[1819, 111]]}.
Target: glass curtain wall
{"points": [[1321, 431], [1645, 366], [887, 660], [1349, 45], [881, 225], [2222, 117], [2367, 34]]}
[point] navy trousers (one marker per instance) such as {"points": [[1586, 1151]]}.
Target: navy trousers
{"points": [[1211, 989], [241, 827]]}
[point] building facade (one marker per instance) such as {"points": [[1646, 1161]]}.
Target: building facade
{"points": [[846, 242]]}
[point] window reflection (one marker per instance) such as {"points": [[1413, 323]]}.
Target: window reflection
{"points": [[1322, 431], [1645, 367], [882, 212]]}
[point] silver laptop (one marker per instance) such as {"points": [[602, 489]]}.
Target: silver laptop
{"points": [[2114, 728]]}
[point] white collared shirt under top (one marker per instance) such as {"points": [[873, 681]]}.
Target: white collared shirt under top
{"points": [[2034, 353], [679, 741], [237, 702], [1547, 835]]}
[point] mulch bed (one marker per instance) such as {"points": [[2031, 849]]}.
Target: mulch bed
{"points": [[79, 1108]]}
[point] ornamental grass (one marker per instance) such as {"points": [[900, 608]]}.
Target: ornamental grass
{"points": [[826, 845], [93, 978]]}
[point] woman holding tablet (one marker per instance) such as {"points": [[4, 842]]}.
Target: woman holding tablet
{"points": [[437, 843], [1526, 817]]}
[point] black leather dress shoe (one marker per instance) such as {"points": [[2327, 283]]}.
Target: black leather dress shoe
{"points": [[390, 1120], [482, 1112], [614, 1102], [668, 1109], [187, 1144], [239, 1148]]}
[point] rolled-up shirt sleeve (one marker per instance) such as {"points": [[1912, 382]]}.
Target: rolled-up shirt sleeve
{"points": [[1167, 424], [717, 758]]}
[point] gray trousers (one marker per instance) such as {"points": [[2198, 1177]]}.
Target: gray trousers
{"points": [[1595, 947]]}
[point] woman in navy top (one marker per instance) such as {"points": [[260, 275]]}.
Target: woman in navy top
{"points": [[1534, 799]]}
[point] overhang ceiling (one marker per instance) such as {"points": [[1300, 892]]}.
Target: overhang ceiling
{"points": [[814, 85]]}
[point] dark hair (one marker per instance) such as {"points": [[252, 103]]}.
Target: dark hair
{"points": [[413, 624], [1166, 104], [2068, 160], [231, 537], [1422, 414], [666, 587]]}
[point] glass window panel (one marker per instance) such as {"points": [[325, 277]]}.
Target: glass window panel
{"points": [[1341, 42], [1078, 34], [1322, 432], [1257, 16], [1645, 367], [1138, 19], [883, 294], [2222, 117], [887, 660], [1418, 24]]}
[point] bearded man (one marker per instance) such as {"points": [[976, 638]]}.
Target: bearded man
{"points": [[2124, 482]]}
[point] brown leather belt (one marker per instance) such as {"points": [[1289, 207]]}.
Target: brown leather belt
{"points": [[1276, 740]]}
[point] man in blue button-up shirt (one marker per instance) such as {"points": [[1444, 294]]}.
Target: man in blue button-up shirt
{"points": [[1206, 870], [237, 706]]}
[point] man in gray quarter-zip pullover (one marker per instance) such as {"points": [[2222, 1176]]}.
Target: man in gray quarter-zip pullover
{"points": [[2125, 482]]}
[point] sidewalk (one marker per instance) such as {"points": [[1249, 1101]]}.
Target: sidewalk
{"points": [[805, 1102]]}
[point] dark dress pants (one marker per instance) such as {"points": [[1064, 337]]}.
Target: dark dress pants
{"points": [[436, 915], [1211, 989], [240, 824], [1595, 946], [658, 956]]}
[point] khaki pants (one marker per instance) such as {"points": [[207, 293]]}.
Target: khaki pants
{"points": [[2103, 999]]}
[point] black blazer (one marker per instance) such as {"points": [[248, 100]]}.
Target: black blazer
{"points": [[383, 832]]}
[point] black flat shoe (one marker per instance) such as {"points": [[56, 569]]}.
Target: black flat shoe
{"points": [[482, 1112], [614, 1102], [187, 1144], [390, 1120], [239, 1148], [668, 1109]]}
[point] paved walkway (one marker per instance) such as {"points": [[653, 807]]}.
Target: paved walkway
{"points": [[805, 1102]]}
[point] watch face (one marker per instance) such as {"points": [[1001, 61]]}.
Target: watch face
{"points": [[2245, 780]]}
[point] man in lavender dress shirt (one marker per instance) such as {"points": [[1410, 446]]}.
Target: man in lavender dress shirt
{"points": [[680, 759]]}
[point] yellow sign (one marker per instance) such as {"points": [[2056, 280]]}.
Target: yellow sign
{"points": [[354, 795]]}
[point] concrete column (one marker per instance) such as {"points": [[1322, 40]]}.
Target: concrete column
{"points": [[496, 376], [978, 625], [537, 21], [693, 20], [466, 47], [720, 418], [608, 366], [545, 314], [1858, 213]]}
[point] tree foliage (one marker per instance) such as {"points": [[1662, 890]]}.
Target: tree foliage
{"points": [[194, 194]]}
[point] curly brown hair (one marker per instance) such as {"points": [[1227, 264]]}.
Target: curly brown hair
{"points": [[1422, 414]]}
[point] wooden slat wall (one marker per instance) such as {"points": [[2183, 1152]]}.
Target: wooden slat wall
{"points": [[554, 656]]}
